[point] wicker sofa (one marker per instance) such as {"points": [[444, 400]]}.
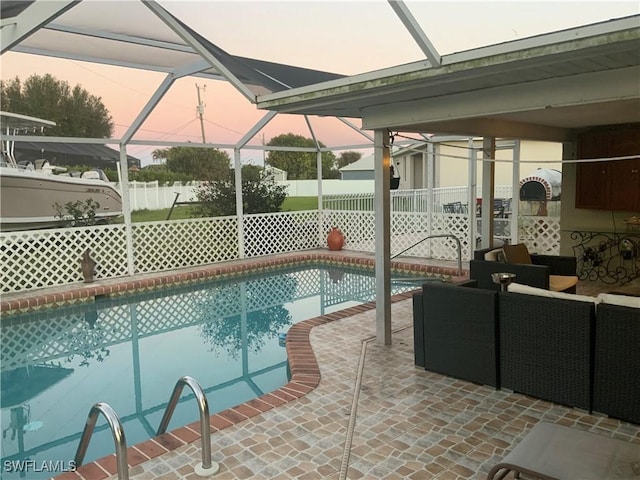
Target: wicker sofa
{"points": [[569, 349]]}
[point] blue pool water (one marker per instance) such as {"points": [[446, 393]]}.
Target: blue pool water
{"points": [[130, 351]]}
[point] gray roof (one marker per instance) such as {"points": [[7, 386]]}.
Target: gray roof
{"points": [[363, 164], [101, 152]]}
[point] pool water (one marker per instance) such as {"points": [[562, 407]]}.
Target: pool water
{"points": [[130, 351]]}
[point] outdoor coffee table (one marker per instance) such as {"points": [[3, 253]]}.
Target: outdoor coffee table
{"points": [[556, 452]]}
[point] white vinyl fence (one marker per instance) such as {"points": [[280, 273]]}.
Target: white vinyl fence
{"points": [[153, 196], [156, 196]]}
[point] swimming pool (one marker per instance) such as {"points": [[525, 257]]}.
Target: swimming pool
{"points": [[129, 352]]}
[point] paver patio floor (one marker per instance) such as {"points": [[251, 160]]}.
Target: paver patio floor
{"points": [[375, 415]]}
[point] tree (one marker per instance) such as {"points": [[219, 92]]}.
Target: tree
{"points": [[259, 195], [300, 165], [77, 113], [199, 163], [347, 158]]}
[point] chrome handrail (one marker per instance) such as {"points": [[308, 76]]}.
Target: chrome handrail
{"points": [[118, 437], [444, 235], [203, 407]]}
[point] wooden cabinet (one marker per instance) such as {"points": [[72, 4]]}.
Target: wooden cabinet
{"points": [[592, 185], [609, 185], [625, 185]]}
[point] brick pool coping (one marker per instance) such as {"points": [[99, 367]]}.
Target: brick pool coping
{"points": [[305, 371]]}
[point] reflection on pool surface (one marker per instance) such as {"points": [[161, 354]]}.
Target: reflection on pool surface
{"points": [[129, 352]]}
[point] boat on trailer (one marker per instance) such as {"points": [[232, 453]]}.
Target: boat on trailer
{"points": [[32, 193]]}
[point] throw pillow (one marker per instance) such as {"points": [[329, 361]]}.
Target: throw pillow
{"points": [[496, 255], [527, 290], [517, 254], [622, 300]]}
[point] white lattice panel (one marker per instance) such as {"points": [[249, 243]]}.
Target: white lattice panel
{"points": [[36, 259], [540, 234], [416, 229], [44, 258], [358, 229], [163, 246], [269, 233]]}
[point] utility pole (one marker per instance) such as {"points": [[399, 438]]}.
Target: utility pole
{"points": [[264, 153], [200, 111]]}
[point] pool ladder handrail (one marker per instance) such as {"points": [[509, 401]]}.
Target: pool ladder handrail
{"points": [[118, 437], [208, 466], [443, 235]]}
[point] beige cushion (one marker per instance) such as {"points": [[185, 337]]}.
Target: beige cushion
{"points": [[496, 255], [622, 300], [560, 283], [517, 254], [526, 289]]}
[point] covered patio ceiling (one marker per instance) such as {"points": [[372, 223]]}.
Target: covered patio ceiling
{"points": [[544, 87]]}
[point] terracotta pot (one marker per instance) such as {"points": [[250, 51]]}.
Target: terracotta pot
{"points": [[335, 239]]}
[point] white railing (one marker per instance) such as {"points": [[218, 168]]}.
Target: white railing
{"points": [[46, 258], [409, 200]]}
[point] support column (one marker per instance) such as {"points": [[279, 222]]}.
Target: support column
{"points": [[515, 194], [429, 183], [126, 207], [488, 183], [322, 232], [237, 172], [473, 194], [382, 209]]}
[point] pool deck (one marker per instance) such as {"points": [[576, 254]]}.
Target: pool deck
{"points": [[356, 409]]}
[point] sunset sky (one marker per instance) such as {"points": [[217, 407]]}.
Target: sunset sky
{"points": [[346, 37]]}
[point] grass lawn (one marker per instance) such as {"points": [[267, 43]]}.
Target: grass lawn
{"points": [[294, 204], [291, 204]]}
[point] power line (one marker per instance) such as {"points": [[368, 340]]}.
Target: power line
{"points": [[223, 127]]}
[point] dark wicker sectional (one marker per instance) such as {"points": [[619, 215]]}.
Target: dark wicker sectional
{"points": [[565, 351]]}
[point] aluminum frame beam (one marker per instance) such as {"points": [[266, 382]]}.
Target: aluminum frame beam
{"points": [[410, 23], [30, 20]]}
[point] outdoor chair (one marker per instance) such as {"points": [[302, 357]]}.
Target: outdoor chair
{"points": [[551, 272], [455, 331], [452, 207], [551, 451]]}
